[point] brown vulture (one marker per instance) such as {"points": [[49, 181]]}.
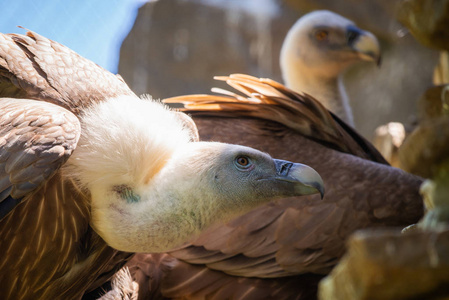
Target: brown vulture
{"points": [[316, 51], [281, 250], [89, 172]]}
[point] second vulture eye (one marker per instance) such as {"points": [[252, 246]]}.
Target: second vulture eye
{"points": [[321, 35], [243, 162]]}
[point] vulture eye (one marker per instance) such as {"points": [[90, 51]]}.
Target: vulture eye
{"points": [[243, 162], [321, 35]]}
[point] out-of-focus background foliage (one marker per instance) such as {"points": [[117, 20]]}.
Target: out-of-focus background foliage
{"points": [[175, 47]]}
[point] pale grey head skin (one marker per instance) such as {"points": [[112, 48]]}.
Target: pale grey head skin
{"points": [[152, 188], [315, 52], [209, 186]]}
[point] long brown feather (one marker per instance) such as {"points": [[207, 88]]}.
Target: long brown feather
{"points": [[269, 100]]}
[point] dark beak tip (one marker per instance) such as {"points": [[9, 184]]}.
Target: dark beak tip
{"points": [[320, 189]]}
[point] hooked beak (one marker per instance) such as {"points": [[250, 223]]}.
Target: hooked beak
{"points": [[364, 43], [307, 180]]}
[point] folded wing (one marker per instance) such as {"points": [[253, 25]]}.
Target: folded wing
{"points": [[32, 66], [36, 138]]}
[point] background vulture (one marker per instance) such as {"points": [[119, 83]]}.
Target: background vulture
{"points": [[135, 182], [316, 51], [271, 252]]}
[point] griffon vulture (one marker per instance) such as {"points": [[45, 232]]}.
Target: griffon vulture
{"points": [[270, 252], [90, 172], [316, 51]]}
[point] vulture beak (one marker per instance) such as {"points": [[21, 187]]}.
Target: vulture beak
{"points": [[307, 180], [364, 43]]}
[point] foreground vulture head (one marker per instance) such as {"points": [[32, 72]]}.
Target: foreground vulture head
{"points": [[87, 168], [315, 52]]}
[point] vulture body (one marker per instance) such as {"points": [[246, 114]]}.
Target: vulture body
{"points": [[315, 53], [89, 173], [274, 251]]}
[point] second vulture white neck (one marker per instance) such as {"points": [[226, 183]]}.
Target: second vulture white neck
{"points": [[329, 90]]}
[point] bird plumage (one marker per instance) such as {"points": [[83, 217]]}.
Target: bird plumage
{"points": [[87, 167], [35, 67], [347, 161], [269, 100], [161, 276], [280, 244]]}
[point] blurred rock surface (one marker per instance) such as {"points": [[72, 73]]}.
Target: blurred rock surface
{"points": [[434, 103], [428, 21], [387, 139], [388, 265]]}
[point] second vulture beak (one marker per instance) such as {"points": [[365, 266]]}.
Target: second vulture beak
{"points": [[364, 43]]}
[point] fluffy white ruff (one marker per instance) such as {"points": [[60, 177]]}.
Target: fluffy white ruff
{"points": [[126, 140], [125, 143]]}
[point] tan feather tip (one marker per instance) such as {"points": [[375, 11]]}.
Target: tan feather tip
{"points": [[28, 31], [221, 78]]}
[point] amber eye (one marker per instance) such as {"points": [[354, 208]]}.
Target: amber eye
{"points": [[321, 35], [243, 162]]}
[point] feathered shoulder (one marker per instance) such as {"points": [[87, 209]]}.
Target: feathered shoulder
{"points": [[269, 100], [34, 67]]}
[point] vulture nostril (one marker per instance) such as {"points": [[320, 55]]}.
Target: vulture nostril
{"points": [[285, 168], [352, 36]]}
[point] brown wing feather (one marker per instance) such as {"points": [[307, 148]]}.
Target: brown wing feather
{"points": [[32, 66], [48, 249], [36, 138], [305, 234], [161, 276], [269, 100]]}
